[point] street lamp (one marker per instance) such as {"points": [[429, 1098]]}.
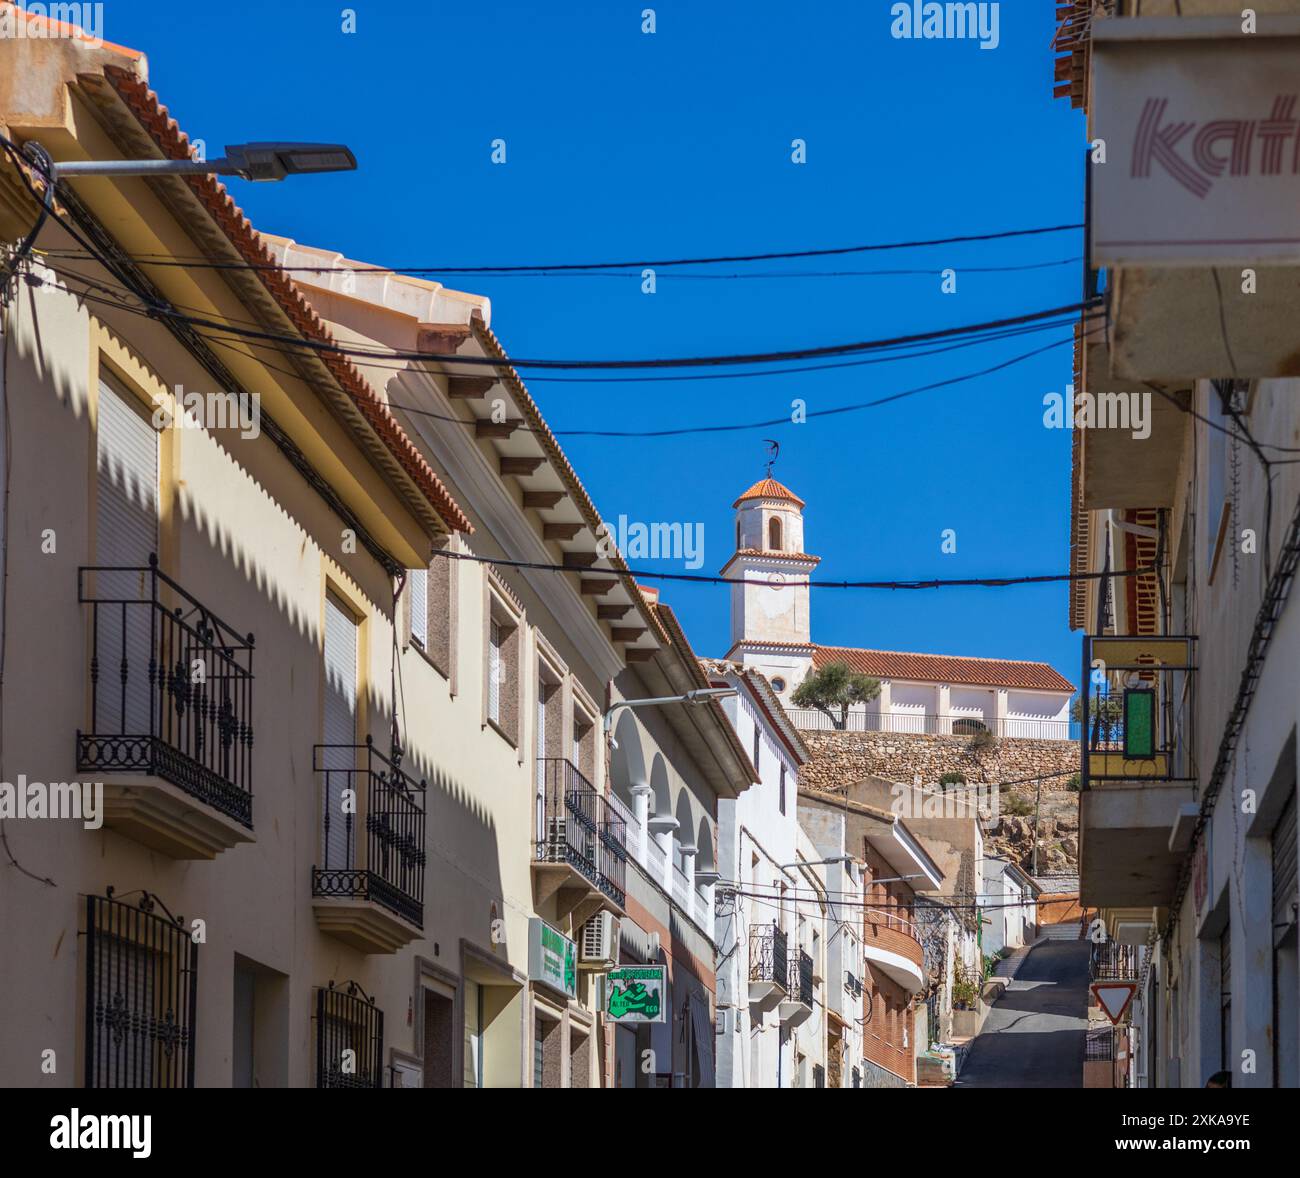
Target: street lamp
{"points": [[815, 862], [699, 695], [251, 161]]}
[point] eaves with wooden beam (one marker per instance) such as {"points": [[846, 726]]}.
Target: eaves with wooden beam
{"points": [[498, 416], [704, 729], [720, 671], [109, 112]]}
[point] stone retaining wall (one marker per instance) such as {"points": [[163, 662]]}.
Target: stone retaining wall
{"points": [[850, 756]]}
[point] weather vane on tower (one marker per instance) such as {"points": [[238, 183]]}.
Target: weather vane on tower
{"points": [[773, 453]]}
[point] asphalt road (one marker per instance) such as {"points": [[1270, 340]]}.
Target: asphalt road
{"points": [[1033, 1037]]}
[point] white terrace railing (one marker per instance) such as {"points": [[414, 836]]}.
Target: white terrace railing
{"points": [[645, 849], [928, 724]]}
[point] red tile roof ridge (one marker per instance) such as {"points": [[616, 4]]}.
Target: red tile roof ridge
{"points": [[174, 144], [996, 672], [769, 488]]}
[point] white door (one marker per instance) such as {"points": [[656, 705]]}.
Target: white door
{"points": [[126, 463], [339, 736]]}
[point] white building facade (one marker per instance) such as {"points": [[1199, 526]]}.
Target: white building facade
{"points": [[770, 922], [936, 695]]}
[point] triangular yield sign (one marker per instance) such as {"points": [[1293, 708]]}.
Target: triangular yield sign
{"points": [[1114, 997]]}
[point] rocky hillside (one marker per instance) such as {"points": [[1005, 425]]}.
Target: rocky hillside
{"points": [[840, 757], [1012, 833]]}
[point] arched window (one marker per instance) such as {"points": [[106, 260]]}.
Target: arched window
{"points": [[774, 534], [737, 535]]}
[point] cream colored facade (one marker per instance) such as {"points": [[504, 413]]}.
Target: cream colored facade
{"points": [[478, 825]]}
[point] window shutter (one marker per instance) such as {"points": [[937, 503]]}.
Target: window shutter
{"points": [[126, 535], [1284, 871], [418, 587], [338, 759], [494, 670]]}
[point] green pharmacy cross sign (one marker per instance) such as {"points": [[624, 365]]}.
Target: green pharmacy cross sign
{"points": [[636, 994]]}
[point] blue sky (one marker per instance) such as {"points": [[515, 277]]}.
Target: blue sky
{"points": [[621, 144]]}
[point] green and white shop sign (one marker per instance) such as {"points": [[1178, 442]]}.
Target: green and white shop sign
{"points": [[552, 958], [636, 994]]}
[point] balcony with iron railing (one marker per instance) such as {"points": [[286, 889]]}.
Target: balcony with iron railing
{"points": [[797, 1005], [368, 888], [891, 944], [579, 843], [1137, 768], [769, 970], [1110, 961], [170, 713]]}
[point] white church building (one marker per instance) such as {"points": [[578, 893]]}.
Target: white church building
{"points": [[771, 631]]}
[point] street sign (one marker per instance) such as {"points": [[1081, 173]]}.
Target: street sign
{"points": [[552, 958], [636, 994], [1114, 998]]}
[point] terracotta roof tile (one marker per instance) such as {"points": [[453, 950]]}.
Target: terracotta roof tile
{"points": [[769, 489], [175, 144], [939, 668]]}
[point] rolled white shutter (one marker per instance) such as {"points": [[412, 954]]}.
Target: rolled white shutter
{"points": [[418, 587], [126, 535], [494, 671], [340, 733]]}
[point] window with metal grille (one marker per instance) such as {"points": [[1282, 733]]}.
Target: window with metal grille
{"points": [[141, 992], [349, 1039], [1099, 1045], [782, 794]]}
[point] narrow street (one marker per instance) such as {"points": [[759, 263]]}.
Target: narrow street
{"points": [[1034, 1035]]}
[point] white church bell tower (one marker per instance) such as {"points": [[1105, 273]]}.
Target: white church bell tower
{"points": [[770, 622]]}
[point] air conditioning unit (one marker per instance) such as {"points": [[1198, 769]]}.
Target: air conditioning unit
{"points": [[598, 942]]}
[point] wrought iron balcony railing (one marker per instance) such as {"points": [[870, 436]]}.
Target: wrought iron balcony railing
{"points": [[575, 825], [1111, 961], [389, 806], [1141, 709], [800, 987], [171, 688], [767, 955]]}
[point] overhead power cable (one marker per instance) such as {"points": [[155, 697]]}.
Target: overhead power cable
{"points": [[653, 263], [809, 582], [882, 356], [701, 276], [857, 347]]}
